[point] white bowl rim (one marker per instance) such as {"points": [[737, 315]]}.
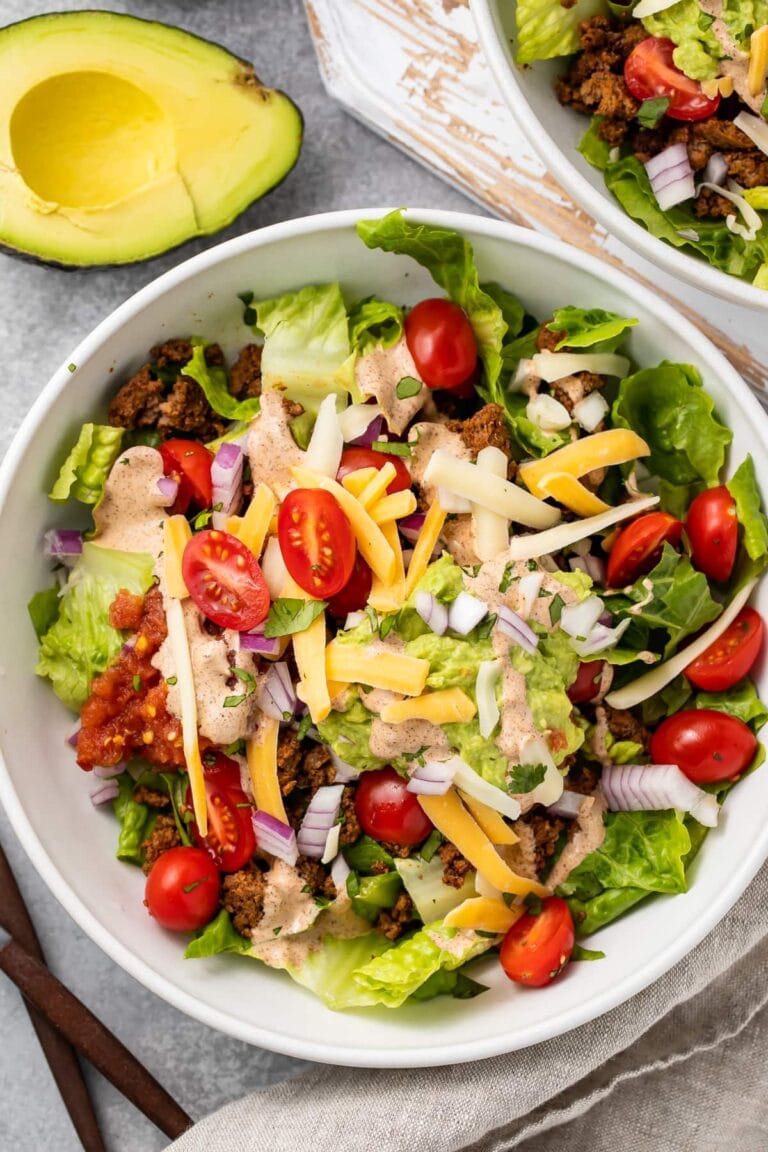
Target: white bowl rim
{"points": [[131, 962], [599, 205]]}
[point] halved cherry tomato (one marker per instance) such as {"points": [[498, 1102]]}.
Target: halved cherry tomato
{"points": [[730, 658], [650, 71], [225, 581], [388, 811], [182, 891], [537, 947], [231, 840], [442, 343], [316, 541], [713, 531], [353, 459], [706, 745], [189, 463], [354, 595], [637, 547], [587, 682]]}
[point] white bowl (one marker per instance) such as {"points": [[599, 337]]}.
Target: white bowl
{"points": [[46, 796], [554, 133]]}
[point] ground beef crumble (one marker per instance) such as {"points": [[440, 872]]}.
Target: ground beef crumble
{"points": [[245, 377], [151, 798], [317, 877], [242, 895], [163, 837], [547, 831], [487, 428], [455, 866], [350, 828], [392, 922], [624, 726]]}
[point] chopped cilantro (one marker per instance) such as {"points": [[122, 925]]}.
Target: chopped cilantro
{"points": [[556, 608], [580, 953], [533, 904], [137, 683], [387, 625], [525, 777], [249, 314], [195, 884], [431, 845], [278, 930], [408, 386], [234, 701], [485, 627], [287, 616], [764, 109], [304, 726], [506, 578], [532, 565], [71, 367], [202, 519], [391, 447], [373, 619], [651, 111], [172, 680], [237, 748], [245, 676]]}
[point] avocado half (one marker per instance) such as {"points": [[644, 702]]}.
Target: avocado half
{"points": [[125, 137]]}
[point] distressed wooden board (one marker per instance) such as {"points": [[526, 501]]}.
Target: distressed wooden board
{"points": [[413, 71]]}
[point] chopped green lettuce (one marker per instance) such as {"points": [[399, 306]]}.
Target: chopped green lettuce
{"points": [[444, 983], [370, 894], [432, 898], [668, 407], [43, 610], [449, 259], [396, 974], [698, 49], [374, 322], [82, 642], [366, 856], [512, 310], [217, 936], [673, 596], [213, 381], [593, 148], [307, 353], [84, 472], [546, 29], [749, 510], [531, 439], [329, 971], [586, 327], [135, 821], [741, 701]]}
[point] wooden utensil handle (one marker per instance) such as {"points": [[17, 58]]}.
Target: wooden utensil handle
{"points": [[92, 1039]]}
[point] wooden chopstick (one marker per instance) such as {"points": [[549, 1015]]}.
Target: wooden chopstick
{"points": [[61, 1056], [91, 1038]]}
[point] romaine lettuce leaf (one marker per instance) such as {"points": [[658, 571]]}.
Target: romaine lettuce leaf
{"points": [[213, 381], [432, 898], [43, 610], [449, 259], [641, 850], [585, 327], [373, 322], [673, 596], [217, 936], [135, 821], [532, 440], [743, 488], [82, 642], [307, 353], [370, 894], [546, 29], [84, 472], [698, 49], [400, 971], [593, 148], [668, 407], [741, 701]]}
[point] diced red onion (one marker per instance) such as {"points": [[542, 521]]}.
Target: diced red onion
{"points": [[433, 613], [168, 488], [578, 620], [344, 772], [340, 870], [516, 628], [716, 170], [654, 788], [433, 778], [277, 696], [578, 564], [257, 642], [104, 792], [465, 613], [371, 433], [62, 544], [108, 771], [595, 568], [671, 176], [275, 837], [72, 738], [227, 481], [600, 638], [411, 526], [320, 817], [568, 806], [688, 234]]}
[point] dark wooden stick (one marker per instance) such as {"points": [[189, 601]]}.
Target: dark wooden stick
{"points": [[92, 1039], [61, 1056]]}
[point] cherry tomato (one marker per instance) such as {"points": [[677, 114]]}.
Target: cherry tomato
{"points": [[388, 811], [231, 840], [316, 541], [706, 745], [354, 595], [730, 658], [225, 581], [537, 947], [637, 547], [189, 463], [182, 891], [587, 682], [442, 343], [650, 71], [713, 531], [354, 458]]}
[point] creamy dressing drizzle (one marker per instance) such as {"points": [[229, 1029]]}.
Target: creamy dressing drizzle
{"points": [[378, 373], [736, 62], [130, 514], [272, 450], [486, 587], [586, 836]]}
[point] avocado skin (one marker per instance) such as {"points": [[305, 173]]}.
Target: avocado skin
{"points": [[250, 78]]}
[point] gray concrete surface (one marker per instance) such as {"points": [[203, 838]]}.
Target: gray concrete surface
{"points": [[43, 315]]}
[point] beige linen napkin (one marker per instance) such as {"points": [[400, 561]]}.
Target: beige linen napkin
{"points": [[675, 1069]]}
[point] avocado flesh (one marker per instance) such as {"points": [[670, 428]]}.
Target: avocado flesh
{"points": [[126, 137]]}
